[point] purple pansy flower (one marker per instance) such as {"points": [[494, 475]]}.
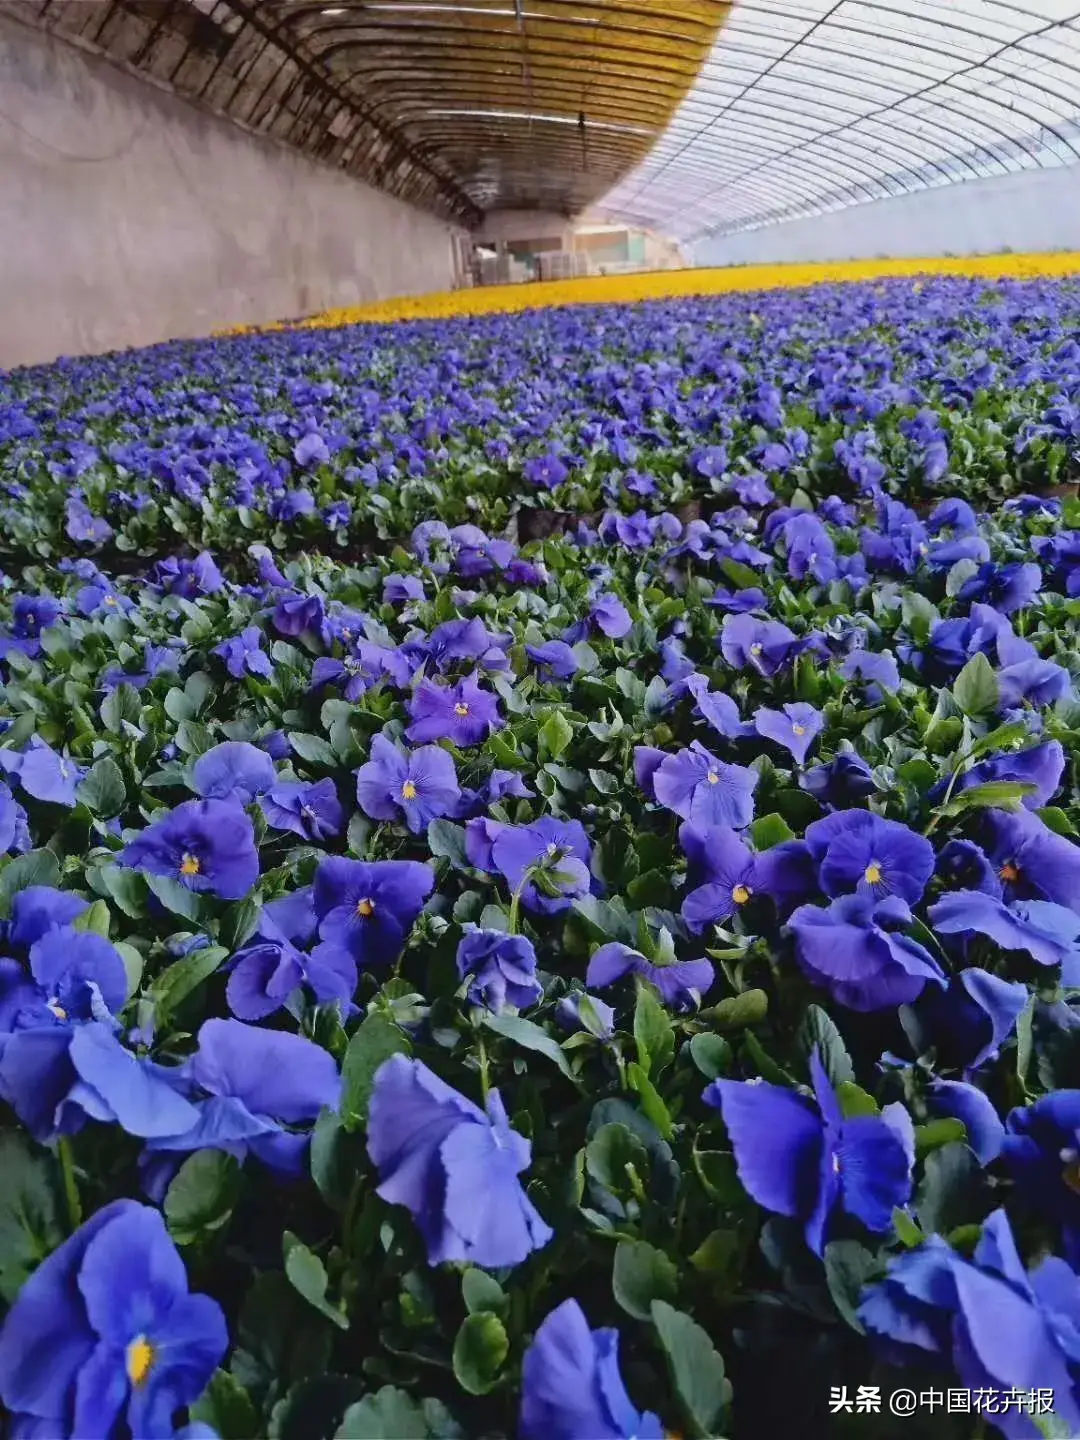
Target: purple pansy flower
{"points": [[204, 844], [808, 1162], [501, 970], [699, 787], [105, 1338], [312, 811], [367, 908], [857, 850], [854, 949], [764, 645], [681, 984], [233, 770], [420, 785], [243, 654], [454, 1166], [462, 713], [795, 727], [610, 615], [43, 773], [571, 1386], [557, 850]]}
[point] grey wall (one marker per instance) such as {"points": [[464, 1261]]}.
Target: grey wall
{"points": [[128, 216], [1031, 210]]}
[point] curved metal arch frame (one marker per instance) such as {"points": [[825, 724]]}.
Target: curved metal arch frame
{"points": [[988, 141]]}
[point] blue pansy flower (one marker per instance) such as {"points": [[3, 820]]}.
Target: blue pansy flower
{"points": [[571, 1386], [454, 1166], [233, 770], [463, 713], [856, 950], [500, 969], [862, 852], [699, 787], [205, 844], [249, 1086], [1000, 1328], [558, 853], [795, 727], [681, 983], [243, 654], [43, 773], [807, 1161], [311, 810], [105, 1337], [367, 908], [418, 786]]}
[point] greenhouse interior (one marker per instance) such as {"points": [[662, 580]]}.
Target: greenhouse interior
{"points": [[539, 720]]}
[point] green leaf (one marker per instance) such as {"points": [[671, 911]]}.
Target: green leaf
{"points": [[202, 1196], [530, 1037], [358, 834], [313, 748], [227, 1408], [995, 794], [848, 1266], [976, 690], [696, 1369], [1003, 738], [96, 920], [102, 789], [133, 965], [855, 1101], [612, 1153], [556, 734], [185, 976], [651, 1101], [770, 830], [949, 1193], [818, 1030], [712, 1054], [740, 575], [307, 1275], [175, 896], [392, 1414], [739, 1011], [1025, 1038], [717, 1256], [374, 1042], [907, 1232], [1054, 818], [642, 1274], [447, 841], [120, 705], [653, 1033], [481, 1291], [937, 1133], [480, 1347], [127, 888], [31, 1206], [38, 867]]}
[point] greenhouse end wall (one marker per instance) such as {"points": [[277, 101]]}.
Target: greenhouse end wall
{"points": [[1034, 210], [128, 216]]}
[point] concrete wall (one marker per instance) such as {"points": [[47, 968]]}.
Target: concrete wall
{"points": [[1032, 210], [128, 216]]}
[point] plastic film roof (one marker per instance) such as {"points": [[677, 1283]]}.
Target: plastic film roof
{"points": [[807, 106], [460, 107]]}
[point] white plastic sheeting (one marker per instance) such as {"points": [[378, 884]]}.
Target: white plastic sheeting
{"points": [[1036, 210], [809, 106]]}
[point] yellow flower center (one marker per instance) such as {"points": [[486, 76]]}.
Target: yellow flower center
{"points": [[408, 791], [1009, 873], [365, 908], [872, 873], [110, 600], [798, 729], [190, 865], [741, 894], [140, 1361], [461, 708], [755, 649], [57, 1009], [713, 778]]}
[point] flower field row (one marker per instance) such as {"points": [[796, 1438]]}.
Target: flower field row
{"points": [[463, 985], [671, 284]]}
